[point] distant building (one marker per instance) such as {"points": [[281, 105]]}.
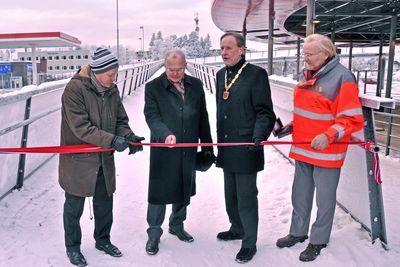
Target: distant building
{"points": [[58, 62], [15, 74]]}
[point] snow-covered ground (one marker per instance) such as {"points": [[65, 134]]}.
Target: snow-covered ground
{"points": [[31, 229]]}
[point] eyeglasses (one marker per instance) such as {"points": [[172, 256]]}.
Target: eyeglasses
{"points": [[175, 70], [308, 55]]}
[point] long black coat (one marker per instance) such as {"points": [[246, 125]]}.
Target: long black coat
{"points": [[172, 170], [247, 114]]}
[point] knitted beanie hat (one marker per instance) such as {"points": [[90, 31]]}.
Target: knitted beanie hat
{"points": [[103, 60]]}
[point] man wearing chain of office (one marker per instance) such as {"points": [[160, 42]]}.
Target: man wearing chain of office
{"points": [[244, 115]]}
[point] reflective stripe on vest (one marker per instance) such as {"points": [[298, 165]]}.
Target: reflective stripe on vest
{"points": [[350, 112], [316, 155], [313, 115], [340, 130]]}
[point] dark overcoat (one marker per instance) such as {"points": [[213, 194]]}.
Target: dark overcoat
{"points": [[172, 170], [89, 118], [246, 115]]}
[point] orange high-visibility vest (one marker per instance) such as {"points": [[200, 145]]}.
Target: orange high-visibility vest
{"points": [[328, 103]]}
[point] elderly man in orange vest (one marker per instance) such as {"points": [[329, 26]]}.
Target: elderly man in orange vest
{"points": [[326, 110]]}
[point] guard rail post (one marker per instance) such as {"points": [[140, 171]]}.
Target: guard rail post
{"points": [[24, 141]]}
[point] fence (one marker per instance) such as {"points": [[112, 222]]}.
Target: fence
{"points": [[34, 112]]}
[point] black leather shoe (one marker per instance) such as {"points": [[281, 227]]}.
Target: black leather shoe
{"points": [[182, 235], [228, 235], [246, 254], [76, 258], [152, 246], [109, 249], [311, 252], [289, 241]]}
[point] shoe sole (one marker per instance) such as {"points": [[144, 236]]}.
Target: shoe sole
{"points": [[306, 260], [221, 239], [151, 252], [241, 261]]}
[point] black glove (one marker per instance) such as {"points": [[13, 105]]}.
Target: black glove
{"points": [[119, 143], [210, 155], [257, 145], [204, 160], [134, 139]]}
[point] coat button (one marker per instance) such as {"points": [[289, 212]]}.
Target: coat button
{"points": [[181, 108], [225, 117], [184, 131], [226, 136]]}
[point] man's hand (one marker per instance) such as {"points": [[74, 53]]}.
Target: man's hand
{"points": [[170, 139], [119, 143], [257, 145], [134, 139], [320, 142]]}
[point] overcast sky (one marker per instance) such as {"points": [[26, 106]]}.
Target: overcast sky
{"points": [[94, 21]]}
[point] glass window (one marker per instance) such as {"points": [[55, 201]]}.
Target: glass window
{"points": [[85, 56], [64, 57], [50, 58], [78, 57]]}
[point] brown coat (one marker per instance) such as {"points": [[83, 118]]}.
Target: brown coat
{"points": [[89, 118]]}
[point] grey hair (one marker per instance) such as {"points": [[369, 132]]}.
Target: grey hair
{"points": [[324, 43], [240, 42], [174, 53]]}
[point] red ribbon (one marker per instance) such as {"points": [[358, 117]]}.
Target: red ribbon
{"points": [[87, 148]]}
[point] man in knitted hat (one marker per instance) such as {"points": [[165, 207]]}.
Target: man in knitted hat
{"points": [[92, 113]]}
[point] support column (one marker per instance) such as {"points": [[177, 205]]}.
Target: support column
{"points": [[310, 17], [271, 36], [392, 45], [34, 67]]}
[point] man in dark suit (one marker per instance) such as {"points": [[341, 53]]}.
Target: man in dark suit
{"points": [[175, 111], [244, 114]]}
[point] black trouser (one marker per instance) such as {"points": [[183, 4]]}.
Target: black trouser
{"points": [[156, 215], [103, 217], [242, 205]]}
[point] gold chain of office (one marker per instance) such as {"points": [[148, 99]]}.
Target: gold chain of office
{"points": [[228, 86]]}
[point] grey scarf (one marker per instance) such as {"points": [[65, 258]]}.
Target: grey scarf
{"points": [[100, 88]]}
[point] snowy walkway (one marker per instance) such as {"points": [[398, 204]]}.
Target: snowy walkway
{"points": [[31, 230]]}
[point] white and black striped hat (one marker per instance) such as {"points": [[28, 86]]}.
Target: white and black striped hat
{"points": [[103, 60]]}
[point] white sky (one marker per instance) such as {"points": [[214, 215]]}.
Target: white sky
{"points": [[94, 21]]}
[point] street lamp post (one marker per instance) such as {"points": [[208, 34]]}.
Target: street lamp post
{"points": [[117, 33], [142, 28], [141, 51]]}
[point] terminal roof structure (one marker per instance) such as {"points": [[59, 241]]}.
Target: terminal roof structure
{"points": [[362, 21]]}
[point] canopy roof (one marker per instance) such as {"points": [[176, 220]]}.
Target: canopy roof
{"points": [[37, 39], [362, 21]]}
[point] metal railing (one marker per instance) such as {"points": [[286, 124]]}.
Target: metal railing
{"points": [[207, 74], [31, 117], [388, 132]]}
